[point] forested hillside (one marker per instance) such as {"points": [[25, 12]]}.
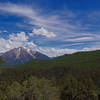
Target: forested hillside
{"points": [[70, 77]]}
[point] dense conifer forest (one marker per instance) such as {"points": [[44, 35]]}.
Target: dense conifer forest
{"points": [[69, 77]]}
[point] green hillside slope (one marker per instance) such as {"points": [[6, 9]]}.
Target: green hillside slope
{"points": [[76, 76], [87, 63]]}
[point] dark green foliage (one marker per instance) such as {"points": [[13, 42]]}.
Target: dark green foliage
{"points": [[44, 89], [1, 61], [70, 77], [31, 89], [77, 90]]}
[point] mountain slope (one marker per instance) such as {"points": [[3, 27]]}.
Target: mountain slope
{"points": [[78, 64], [81, 60], [21, 55], [81, 65]]}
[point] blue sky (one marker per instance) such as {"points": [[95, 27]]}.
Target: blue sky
{"points": [[53, 27]]}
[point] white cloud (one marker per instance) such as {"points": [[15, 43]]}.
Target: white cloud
{"points": [[91, 48], [3, 31], [63, 25], [31, 44], [14, 41], [50, 23], [44, 32], [20, 10], [54, 52], [21, 40], [80, 39], [18, 37]]}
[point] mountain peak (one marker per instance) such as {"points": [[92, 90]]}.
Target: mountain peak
{"points": [[21, 55]]}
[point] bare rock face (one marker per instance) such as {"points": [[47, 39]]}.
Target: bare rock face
{"points": [[21, 55]]}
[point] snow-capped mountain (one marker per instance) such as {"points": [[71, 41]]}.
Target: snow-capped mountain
{"points": [[21, 55]]}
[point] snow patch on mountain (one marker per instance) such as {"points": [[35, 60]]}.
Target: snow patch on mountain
{"points": [[21, 55]]}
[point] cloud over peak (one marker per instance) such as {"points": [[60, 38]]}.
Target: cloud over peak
{"points": [[14, 41]]}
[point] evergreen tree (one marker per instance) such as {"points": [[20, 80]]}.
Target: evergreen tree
{"points": [[77, 90], [14, 91]]}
